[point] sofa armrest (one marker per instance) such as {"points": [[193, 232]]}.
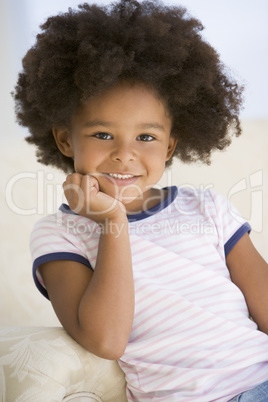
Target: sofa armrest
{"points": [[46, 364]]}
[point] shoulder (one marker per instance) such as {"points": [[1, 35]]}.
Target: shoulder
{"points": [[53, 224], [62, 232], [63, 221], [198, 200], [217, 210], [206, 199]]}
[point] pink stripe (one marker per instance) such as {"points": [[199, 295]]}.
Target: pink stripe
{"points": [[44, 236], [175, 363], [174, 259], [188, 329], [213, 287], [148, 306], [182, 263], [182, 238], [93, 248], [149, 380], [236, 350], [48, 228], [182, 321], [194, 339], [180, 278], [61, 242], [197, 280], [162, 252], [135, 240], [142, 334], [244, 382], [148, 317]]}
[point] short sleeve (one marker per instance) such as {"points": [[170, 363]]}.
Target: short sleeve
{"points": [[231, 226], [50, 241]]}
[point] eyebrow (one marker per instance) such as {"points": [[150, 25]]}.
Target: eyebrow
{"points": [[144, 126], [95, 123], [148, 126]]}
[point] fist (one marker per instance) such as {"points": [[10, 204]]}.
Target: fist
{"points": [[84, 198]]}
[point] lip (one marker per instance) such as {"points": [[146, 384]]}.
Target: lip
{"points": [[121, 182]]}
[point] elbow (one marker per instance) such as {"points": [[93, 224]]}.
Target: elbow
{"points": [[105, 348], [105, 341], [112, 347], [110, 353]]}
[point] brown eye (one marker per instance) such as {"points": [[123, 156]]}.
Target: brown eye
{"points": [[102, 136], [145, 137]]}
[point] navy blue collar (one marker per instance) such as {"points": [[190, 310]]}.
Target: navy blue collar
{"points": [[171, 195]]}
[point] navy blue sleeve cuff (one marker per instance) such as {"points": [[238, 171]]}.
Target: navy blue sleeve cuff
{"points": [[246, 228], [55, 257]]}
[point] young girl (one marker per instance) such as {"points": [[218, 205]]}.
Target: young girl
{"points": [[166, 280]]}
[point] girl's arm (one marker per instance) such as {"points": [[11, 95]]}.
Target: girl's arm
{"points": [[249, 272], [96, 309]]}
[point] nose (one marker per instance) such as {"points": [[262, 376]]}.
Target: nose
{"points": [[123, 152]]}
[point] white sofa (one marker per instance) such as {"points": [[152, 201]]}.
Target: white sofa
{"points": [[44, 364]]}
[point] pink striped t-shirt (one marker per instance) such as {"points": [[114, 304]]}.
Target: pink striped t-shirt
{"points": [[192, 338]]}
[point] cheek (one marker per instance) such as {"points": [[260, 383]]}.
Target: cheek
{"points": [[156, 158], [85, 157], [81, 161], [156, 165]]}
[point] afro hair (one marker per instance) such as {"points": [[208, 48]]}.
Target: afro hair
{"points": [[83, 52]]}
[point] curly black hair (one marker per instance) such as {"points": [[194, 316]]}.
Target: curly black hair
{"points": [[83, 52]]}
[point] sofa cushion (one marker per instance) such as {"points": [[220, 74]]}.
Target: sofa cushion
{"points": [[46, 364]]}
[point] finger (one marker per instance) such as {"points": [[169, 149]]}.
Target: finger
{"points": [[71, 179], [72, 190], [93, 181], [90, 188], [75, 178]]}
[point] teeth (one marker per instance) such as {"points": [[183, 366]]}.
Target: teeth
{"points": [[121, 176]]}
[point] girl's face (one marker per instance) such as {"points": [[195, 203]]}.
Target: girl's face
{"points": [[122, 138]]}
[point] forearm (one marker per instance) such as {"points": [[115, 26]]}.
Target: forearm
{"points": [[106, 310]]}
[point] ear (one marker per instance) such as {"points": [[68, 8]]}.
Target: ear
{"points": [[171, 147], [63, 140]]}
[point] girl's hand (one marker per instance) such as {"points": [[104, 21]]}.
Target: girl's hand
{"points": [[84, 198]]}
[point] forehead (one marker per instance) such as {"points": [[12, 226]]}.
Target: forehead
{"points": [[126, 102]]}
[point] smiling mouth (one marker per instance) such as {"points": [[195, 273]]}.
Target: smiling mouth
{"points": [[120, 176]]}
